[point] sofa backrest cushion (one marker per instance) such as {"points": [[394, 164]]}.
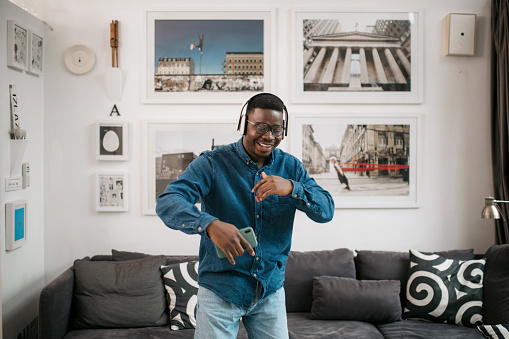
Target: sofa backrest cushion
{"points": [[496, 286], [111, 294], [390, 265], [301, 267], [125, 255]]}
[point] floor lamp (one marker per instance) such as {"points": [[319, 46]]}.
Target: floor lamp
{"points": [[492, 211]]}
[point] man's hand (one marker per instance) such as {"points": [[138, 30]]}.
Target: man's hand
{"points": [[228, 238], [271, 184]]}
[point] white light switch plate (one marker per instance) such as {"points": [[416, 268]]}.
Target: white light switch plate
{"points": [[13, 183]]}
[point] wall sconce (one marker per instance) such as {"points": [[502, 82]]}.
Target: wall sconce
{"points": [[491, 210]]}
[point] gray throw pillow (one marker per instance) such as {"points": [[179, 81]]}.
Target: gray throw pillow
{"points": [[301, 267], [496, 286], [374, 301], [119, 294]]}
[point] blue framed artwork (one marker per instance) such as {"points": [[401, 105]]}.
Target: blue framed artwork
{"points": [[15, 224]]}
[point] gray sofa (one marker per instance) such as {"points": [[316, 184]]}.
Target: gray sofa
{"points": [[329, 294]]}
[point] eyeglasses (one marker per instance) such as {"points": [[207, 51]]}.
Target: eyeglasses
{"points": [[262, 128]]}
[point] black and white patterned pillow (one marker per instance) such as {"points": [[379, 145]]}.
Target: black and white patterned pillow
{"points": [[444, 290], [494, 331], [181, 284]]}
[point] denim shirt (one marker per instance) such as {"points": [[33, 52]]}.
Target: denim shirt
{"points": [[223, 179]]}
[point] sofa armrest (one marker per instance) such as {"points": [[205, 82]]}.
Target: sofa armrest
{"points": [[55, 306]]}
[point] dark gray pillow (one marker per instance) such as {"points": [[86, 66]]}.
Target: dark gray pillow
{"points": [[301, 267], [124, 255], [496, 286], [389, 265], [121, 294], [374, 301]]}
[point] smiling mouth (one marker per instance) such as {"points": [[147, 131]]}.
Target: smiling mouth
{"points": [[264, 145]]}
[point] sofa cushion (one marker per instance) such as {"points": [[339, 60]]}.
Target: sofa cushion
{"points": [[301, 267], [119, 294], [494, 331], [125, 255], [416, 329], [181, 284], [496, 285], [444, 290], [336, 298], [390, 265]]}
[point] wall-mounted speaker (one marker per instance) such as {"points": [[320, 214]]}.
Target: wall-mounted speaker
{"points": [[460, 34]]}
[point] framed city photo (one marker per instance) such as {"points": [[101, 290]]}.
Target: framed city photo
{"points": [[112, 140], [347, 56], [171, 146], [15, 224], [36, 48], [362, 160], [17, 45], [207, 56], [112, 192]]}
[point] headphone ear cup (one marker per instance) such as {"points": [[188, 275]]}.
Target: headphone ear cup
{"points": [[241, 127]]}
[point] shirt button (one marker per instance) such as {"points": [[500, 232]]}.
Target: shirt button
{"points": [[254, 275], [309, 204], [257, 258], [183, 225], [199, 229], [248, 162], [295, 196], [257, 216]]}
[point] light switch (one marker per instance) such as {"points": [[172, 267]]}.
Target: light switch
{"points": [[460, 34]]}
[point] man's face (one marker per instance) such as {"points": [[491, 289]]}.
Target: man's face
{"points": [[257, 146]]}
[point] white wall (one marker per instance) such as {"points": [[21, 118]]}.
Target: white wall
{"points": [[22, 269], [455, 157]]}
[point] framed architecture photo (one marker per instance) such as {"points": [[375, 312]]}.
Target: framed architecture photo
{"points": [[15, 224], [207, 56], [362, 160], [357, 57], [170, 146], [112, 140], [17, 45], [112, 192], [36, 49]]}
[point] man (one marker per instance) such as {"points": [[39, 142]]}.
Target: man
{"points": [[247, 183], [341, 176]]}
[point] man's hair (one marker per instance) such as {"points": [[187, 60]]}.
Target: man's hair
{"points": [[265, 101]]}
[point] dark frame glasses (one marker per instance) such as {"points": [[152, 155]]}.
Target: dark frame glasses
{"points": [[262, 128]]}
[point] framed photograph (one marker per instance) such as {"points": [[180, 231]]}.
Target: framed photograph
{"points": [[363, 161], [207, 56], [171, 146], [17, 45], [35, 47], [15, 224], [112, 140], [112, 192], [357, 57]]}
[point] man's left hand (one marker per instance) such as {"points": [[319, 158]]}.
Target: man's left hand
{"points": [[271, 184]]}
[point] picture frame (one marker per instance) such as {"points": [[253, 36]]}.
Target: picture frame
{"points": [[378, 156], [17, 45], [357, 56], [36, 52], [191, 56], [15, 224], [112, 140], [112, 192], [170, 146]]}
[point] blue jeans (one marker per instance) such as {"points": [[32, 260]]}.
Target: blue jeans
{"points": [[220, 319]]}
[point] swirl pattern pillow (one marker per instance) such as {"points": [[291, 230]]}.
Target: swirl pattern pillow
{"points": [[444, 290]]}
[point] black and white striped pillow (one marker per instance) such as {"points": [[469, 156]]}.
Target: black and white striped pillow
{"points": [[181, 284], [445, 290], [494, 331]]}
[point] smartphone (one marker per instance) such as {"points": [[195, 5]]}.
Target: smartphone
{"points": [[248, 234]]}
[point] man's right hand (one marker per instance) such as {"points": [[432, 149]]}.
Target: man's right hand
{"points": [[228, 238]]}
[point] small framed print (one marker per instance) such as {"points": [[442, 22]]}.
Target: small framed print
{"points": [[35, 48], [17, 45], [111, 192], [112, 141], [15, 224]]}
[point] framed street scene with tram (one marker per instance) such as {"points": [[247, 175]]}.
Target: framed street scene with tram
{"points": [[207, 56], [363, 161], [357, 57]]}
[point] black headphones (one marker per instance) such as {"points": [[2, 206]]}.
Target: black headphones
{"points": [[241, 127]]}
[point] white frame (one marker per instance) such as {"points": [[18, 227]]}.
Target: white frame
{"points": [[10, 220], [32, 36], [123, 202], [12, 27], [185, 133], [414, 96], [357, 200], [149, 95], [101, 153]]}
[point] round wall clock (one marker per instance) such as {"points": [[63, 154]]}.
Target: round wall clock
{"points": [[79, 59]]}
